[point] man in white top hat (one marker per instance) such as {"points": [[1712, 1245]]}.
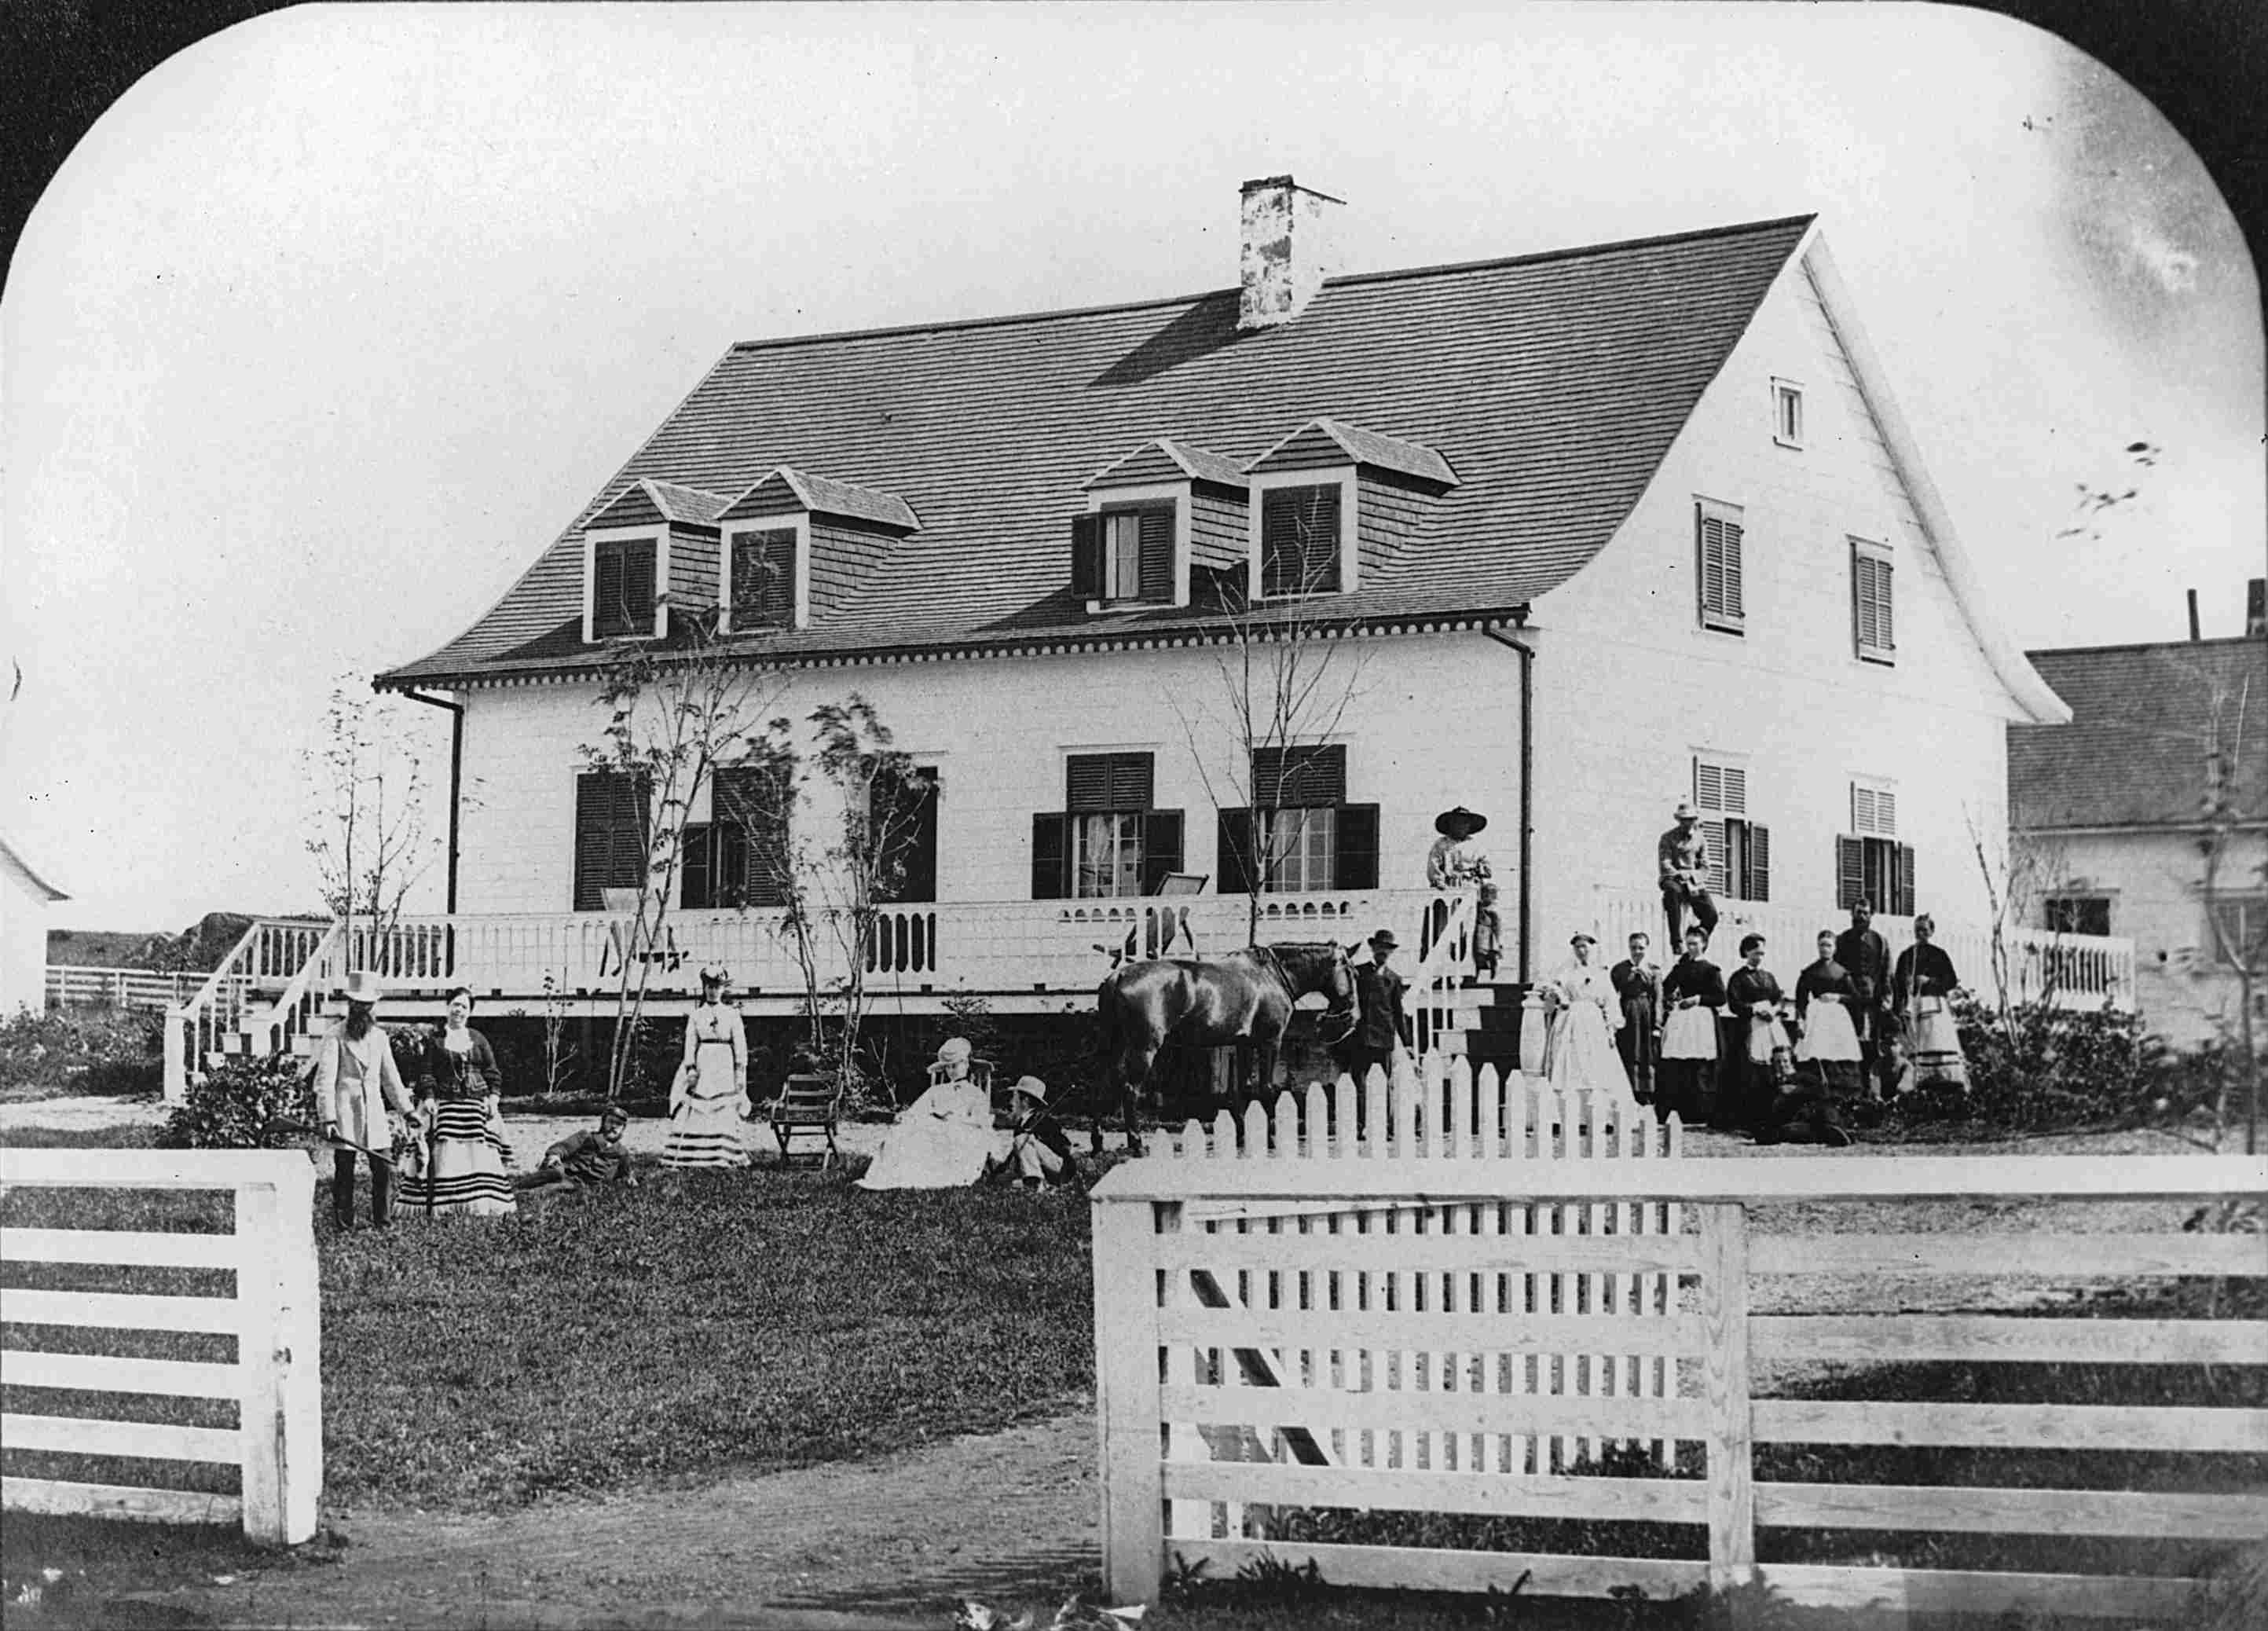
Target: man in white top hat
{"points": [[1683, 854], [357, 1082]]}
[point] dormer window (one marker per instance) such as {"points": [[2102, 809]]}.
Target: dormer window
{"points": [[764, 577], [623, 571], [1125, 555], [790, 530], [1333, 501], [1153, 514], [1300, 540]]}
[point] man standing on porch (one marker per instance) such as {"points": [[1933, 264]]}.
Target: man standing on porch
{"points": [[1683, 857]]}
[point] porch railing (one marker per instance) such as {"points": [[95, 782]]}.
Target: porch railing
{"points": [[272, 955]]}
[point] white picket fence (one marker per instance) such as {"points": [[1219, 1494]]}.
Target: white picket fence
{"points": [[1392, 1317], [274, 1315]]}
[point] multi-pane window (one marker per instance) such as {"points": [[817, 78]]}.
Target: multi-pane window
{"points": [[1124, 555], [622, 588], [1108, 841], [1299, 540], [741, 855], [1869, 861], [1787, 413], [764, 578], [2079, 914], [1717, 529], [1740, 847], [1872, 628], [1304, 844], [1301, 834]]}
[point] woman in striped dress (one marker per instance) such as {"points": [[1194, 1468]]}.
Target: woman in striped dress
{"points": [[467, 1164], [709, 1099]]}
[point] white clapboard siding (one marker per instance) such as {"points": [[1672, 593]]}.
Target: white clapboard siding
{"points": [[274, 1316], [1454, 1285]]}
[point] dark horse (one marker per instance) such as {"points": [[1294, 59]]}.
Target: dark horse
{"points": [[1246, 996]]}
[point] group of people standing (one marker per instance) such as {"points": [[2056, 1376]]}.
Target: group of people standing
{"points": [[442, 1147]]}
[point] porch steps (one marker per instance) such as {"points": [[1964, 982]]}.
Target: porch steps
{"points": [[1484, 1025]]}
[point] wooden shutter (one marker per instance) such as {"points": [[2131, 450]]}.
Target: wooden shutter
{"points": [[1087, 557], [1299, 540], [1309, 778], [606, 590], [1233, 852], [1904, 882], [764, 578], [1756, 881], [637, 588], [1108, 781], [1871, 600], [610, 836], [1158, 554], [1161, 847], [696, 877], [1050, 857], [1717, 549], [1355, 864], [1712, 834], [751, 812], [1850, 872]]}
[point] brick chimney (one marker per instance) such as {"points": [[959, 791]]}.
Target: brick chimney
{"points": [[1286, 250]]}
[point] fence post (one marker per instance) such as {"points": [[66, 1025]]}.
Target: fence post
{"points": [[1126, 1402], [279, 1352], [177, 1057], [1731, 1496]]}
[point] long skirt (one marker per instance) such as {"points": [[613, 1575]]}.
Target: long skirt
{"points": [[706, 1131], [1579, 1054], [1685, 1075], [1828, 1034], [464, 1168], [1933, 1043], [926, 1151], [1765, 1067]]}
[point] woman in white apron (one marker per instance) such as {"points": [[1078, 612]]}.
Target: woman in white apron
{"points": [[1692, 992], [1919, 986], [708, 1100], [1578, 1049], [1824, 997]]}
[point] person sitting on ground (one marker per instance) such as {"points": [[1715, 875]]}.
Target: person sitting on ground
{"points": [[586, 1160], [944, 1138], [1038, 1152]]}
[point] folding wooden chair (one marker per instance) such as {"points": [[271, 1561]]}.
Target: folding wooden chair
{"points": [[809, 1105], [980, 1072]]}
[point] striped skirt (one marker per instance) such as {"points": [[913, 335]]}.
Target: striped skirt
{"points": [[706, 1133], [465, 1169], [1933, 1045]]}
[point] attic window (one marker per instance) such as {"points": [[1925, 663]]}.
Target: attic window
{"points": [[763, 578], [623, 577], [1299, 540], [1124, 555], [1787, 413]]}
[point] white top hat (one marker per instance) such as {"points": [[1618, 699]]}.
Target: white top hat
{"points": [[361, 987]]}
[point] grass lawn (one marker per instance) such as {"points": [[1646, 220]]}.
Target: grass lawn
{"points": [[744, 1324]]}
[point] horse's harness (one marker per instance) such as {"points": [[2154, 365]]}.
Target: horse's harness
{"points": [[1334, 1032]]}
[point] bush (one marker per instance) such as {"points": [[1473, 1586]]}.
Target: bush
{"points": [[2049, 1068], [239, 1105], [83, 1050]]}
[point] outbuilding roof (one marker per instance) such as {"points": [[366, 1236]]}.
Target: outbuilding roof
{"points": [[2144, 718], [1548, 388]]}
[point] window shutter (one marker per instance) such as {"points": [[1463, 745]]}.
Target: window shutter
{"points": [[1756, 882], [606, 590], [764, 578], [1905, 881], [1130, 775], [1161, 847], [751, 813], [1087, 557], [1299, 540], [1708, 785], [1735, 792], [1234, 854], [1050, 857], [1850, 873], [1299, 778], [1086, 782], [1158, 554], [637, 588], [610, 820], [1884, 604], [696, 880], [1886, 814], [1862, 808], [1355, 867], [1732, 603], [1712, 834]]}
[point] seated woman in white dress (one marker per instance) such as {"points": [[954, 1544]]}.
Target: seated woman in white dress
{"points": [[1579, 1050], [944, 1138]]}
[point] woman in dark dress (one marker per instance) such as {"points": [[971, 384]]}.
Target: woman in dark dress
{"points": [[1826, 998], [1692, 992], [1919, 985], [467, 1165], [1762, 1063]]}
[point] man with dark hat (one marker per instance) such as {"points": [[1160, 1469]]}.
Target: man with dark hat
{"points": [[1382, 1025], [1683, 857]]}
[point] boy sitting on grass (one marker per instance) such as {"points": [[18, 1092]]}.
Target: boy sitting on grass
{"points": [[1039, 1153], [585, 1160]]}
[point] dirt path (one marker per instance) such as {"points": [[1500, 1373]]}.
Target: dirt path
{"points": [[881, 1544]]}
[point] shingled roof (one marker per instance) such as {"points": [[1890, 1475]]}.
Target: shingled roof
{"points": [[1551, 385], [2142, 723]]}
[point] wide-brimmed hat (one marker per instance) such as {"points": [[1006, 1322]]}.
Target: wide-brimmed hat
{"points": [[1685, 811], [1031, 1086], [361, 987], [1580, 935], [1458, 823], [955, 1049], [1384, 940]]}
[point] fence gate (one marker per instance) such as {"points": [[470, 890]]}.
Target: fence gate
{"points": [[273, 1312]]}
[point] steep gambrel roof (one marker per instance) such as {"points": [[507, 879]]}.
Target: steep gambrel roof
{"points": [[1550, 385]]}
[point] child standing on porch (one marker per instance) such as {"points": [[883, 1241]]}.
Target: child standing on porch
{"points": [[1488, 934]]}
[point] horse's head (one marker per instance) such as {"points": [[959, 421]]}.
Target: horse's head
{"points": [[1323, 969]]}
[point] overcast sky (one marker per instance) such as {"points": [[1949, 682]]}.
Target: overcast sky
{"points": [[334, 321]]}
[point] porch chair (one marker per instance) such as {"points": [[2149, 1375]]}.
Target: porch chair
{"points": [[980, 1072], [810, 1105]]}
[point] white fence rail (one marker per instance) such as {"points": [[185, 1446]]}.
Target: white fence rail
{"points": [[74, 986], [274, 1315], [1411, 1352]]}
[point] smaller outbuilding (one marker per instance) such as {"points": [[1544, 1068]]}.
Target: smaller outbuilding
{"points": [[25, 896]]}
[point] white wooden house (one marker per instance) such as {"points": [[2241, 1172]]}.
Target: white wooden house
{"points": [[1589, 531], [25, 896]]}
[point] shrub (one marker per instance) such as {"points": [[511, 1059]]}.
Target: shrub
{"points": [[2048, 1068], [239, 1105], [83, 1050]]}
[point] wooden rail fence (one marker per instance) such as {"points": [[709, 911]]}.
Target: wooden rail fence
{"points": [[1395, 1318], [274, 1316], [73, 987]]}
